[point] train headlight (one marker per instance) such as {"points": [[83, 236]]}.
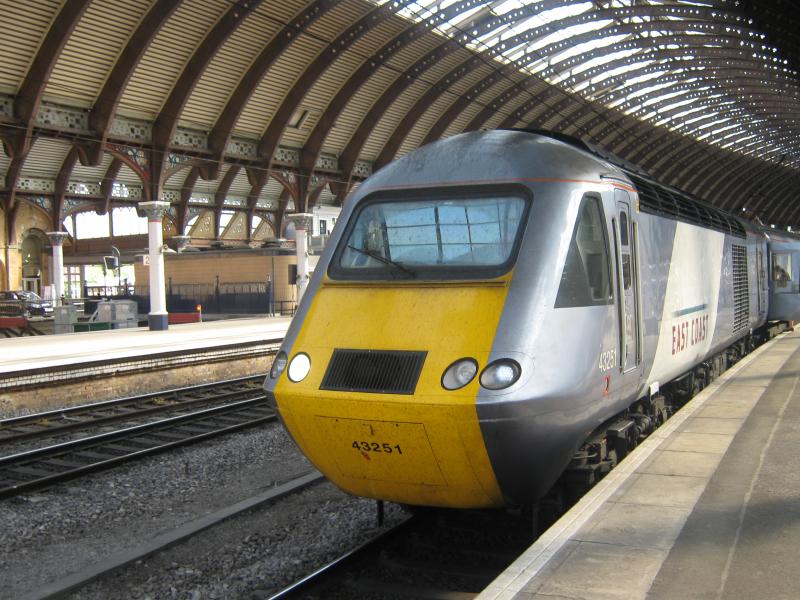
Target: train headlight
{"points": [[500, 374], [278, 365], [299, 367], [459, 374]]}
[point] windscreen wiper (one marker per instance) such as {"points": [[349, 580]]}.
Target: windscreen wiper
{"points": [[384, 260]]}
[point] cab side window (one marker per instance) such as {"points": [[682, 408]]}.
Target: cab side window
{"points": [[781, 269], [585, 280]]}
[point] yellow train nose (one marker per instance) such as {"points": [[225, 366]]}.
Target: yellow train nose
{"points": [[406, 439], [422, 453]]}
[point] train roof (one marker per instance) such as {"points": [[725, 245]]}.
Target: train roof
{"points": [[655, 197]]}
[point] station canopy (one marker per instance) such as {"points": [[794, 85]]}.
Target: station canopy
{"points": [[267, 107]]}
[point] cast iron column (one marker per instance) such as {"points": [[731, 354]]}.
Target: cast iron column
{"points": [[57, 242], [303, 222], [158, 317]]}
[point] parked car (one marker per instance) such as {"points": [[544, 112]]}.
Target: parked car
{"points": [[26, 303]]}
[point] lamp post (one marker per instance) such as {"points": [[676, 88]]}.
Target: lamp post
{"points": [[157, 318], [57, 242], [303, 222]]}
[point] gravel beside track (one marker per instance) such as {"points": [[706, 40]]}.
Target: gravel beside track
{"points": [[51, 533]]}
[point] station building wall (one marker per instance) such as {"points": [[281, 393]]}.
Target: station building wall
{"points": [[30, 221], [236, 266]]}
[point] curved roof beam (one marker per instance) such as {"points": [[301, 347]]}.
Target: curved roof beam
{"points": [[349, 156], [733, 187], [167, 120], [107, 185], [498, 75], [676, 29], [788, 199], [494, 105], [655, 61], [311, 150], [697, 150], [553, 110], [269, 141], [751, 179], [707, 163], [658, 68], [541, 32], [649, 154], [720, 164], [521, 113], [222, 193], [648, 145], [105, 106], [61, 183], [29, 97], [732, 55], [667, 97], [221, 133], [774, 177], [462, 101], [187, 188]]}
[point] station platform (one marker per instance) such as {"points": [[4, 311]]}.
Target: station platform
{"points": [[707, 507], [41, 372]]}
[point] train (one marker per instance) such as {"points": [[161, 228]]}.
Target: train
{"points": [[499, 308]]}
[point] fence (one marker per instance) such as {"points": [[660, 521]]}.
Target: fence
{"points": [[222, 298]]}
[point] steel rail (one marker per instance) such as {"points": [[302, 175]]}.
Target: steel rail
{"points": [[55, 422], [434, 554], [364, 553], [41, 467], [74, 581]]}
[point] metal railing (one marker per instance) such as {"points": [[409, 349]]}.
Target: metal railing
{"points": [[220, 298]]}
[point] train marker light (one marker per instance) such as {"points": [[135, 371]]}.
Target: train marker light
{"points": [[299, 367], [278, 365], [459, 374], [500, 374]]}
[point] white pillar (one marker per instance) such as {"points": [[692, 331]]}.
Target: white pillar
{"points": [[57, 242], [302, 225], [157, 317]]}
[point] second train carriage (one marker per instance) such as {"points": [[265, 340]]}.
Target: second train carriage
{"points": [[489, 300]]}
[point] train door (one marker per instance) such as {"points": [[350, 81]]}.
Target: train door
{"points": [[627, 283], [761, 276]]}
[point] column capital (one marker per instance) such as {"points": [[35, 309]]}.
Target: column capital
{"points": [[57, 237], [154, 210], [301, 220], [181, 241]]}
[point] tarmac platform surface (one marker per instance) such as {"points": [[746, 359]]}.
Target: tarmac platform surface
{"points": [[708, 507], [51, 351]]}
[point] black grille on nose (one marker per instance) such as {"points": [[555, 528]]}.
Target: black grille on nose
{"points": [[379, 371]]}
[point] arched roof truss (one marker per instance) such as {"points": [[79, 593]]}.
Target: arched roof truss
{"points": [[262, 107]]}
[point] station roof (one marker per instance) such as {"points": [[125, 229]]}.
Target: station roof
{"points": [[272, 106]]}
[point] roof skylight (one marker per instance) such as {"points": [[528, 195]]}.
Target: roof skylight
{"points": [[588, 48]]}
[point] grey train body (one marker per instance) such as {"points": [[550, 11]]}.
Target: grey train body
{"points": [[677, 293]]}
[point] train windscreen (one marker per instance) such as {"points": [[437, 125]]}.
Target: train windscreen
{"points": [[434, 238]]}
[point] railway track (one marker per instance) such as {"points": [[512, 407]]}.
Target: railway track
{"points": [[136, 408], [115, 562], [436, 555], [33, 469]]}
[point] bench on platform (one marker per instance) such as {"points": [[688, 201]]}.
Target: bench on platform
{"points": [[187, 317]]}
